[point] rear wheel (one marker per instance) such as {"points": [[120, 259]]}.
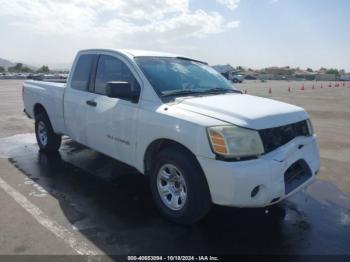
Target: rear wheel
{"points": [[179, 187], [46, 138]]}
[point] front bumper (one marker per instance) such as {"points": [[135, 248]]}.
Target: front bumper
{"points": [[232, 183]]}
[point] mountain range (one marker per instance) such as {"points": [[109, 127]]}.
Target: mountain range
{"points": [[6, 63]]}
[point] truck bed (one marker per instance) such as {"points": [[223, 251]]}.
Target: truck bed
{"points": [[49, 95]]}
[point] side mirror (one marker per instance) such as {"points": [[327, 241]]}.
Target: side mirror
{"points": [[123, 91]]}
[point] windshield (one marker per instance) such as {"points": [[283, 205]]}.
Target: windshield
{"points": [[179, 76]]}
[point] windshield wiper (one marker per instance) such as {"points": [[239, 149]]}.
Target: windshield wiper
{"points": [[219, 90], [215, 90], [182, 92]]}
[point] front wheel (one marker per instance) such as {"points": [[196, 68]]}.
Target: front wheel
{"points": [[179, 187], [46, 138]]}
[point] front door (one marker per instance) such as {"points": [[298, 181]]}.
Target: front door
{"points": [[111, 122]]}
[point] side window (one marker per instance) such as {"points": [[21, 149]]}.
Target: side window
{"points": [[112, 69], [81, 75]]}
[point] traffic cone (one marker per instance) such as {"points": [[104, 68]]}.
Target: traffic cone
{"points": [[302, 88], [270, 91]]}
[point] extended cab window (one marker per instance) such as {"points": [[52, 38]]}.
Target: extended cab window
{"points": [[109, 69], [81, 76]]}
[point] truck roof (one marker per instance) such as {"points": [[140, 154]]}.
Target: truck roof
{"points": [[135, 53]]}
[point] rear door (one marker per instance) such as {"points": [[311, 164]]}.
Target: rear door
{"points": [[111, 122], [75, 97]]}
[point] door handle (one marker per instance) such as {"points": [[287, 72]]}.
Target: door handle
{"points": [[91, 103]]}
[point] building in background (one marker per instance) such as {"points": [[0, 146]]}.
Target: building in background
{"points": [[325, 77]]}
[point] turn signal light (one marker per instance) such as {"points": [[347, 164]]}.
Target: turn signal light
{"points": [[218, 142]]}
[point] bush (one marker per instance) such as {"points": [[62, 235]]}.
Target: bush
{"points": [[44, 69]]}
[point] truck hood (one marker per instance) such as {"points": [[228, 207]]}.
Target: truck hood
{"points": [[244, 110]]}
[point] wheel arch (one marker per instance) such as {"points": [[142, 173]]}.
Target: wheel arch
{"points": [[39, 109], [156, 146]]}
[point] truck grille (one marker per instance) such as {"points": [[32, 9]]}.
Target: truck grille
{"points": [[273, 138]]}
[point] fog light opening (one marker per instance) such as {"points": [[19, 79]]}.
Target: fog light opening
{"points": [[275, 200], [255, 191]]}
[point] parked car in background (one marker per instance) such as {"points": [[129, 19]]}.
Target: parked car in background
{"points": [[237, 79], [344, 78]]}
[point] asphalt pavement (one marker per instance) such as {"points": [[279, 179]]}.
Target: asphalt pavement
{"points": [[79, 201]]}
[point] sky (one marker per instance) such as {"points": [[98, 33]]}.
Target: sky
{"points": [[250, 33]]}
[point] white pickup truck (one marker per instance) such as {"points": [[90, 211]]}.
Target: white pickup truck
{"points": [[178, 121]]}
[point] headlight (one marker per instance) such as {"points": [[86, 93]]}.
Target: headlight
{"points": [[235, 142], [309, 127]]}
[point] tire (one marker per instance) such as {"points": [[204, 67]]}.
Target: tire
{"points": [[191, 195], [47, 139]]}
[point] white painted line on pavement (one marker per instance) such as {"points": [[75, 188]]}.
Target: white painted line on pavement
{"points": [[81, 247]]}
